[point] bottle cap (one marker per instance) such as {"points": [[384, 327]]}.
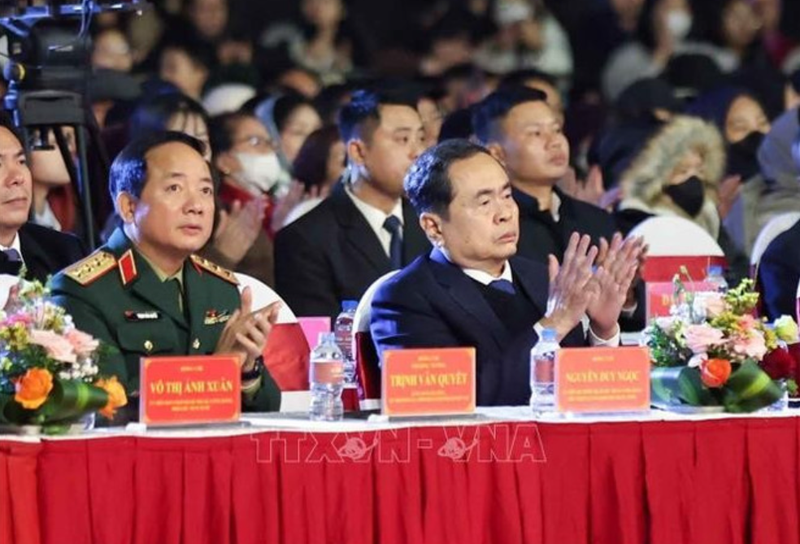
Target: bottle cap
{"points": [[549, 335], [348, 305], [715, 270]]}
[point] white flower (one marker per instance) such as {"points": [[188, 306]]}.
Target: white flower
{"points": [[697, 360]]}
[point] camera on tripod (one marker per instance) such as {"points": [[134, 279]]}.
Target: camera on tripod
{"points": [[49, 48]]}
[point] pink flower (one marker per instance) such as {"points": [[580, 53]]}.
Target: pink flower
{"points": [[700, 337], [13, 319], [747, 322], [58, 347], [715, 304], [750, 344], [83, 344]]}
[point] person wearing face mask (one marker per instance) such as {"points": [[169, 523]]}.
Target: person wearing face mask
{"points": [[678, 174], [663, 27], [249, 170], [740, 118]]}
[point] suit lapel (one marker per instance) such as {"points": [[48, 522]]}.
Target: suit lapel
{"points": [[35, 257], [467, 295], [358, 234], [533, 281]]}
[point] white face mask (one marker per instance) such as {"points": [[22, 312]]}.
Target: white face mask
{"points": [[679, 23], [259, 172]]}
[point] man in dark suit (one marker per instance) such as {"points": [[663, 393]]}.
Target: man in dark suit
{"points": [[365, 228], [471, 290], [522, 131], [779, 273], [40, 250]]}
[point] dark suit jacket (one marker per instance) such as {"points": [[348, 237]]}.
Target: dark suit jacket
{"points": [[779, 273], [331, 254], [540, 236], [45, 251], [432, 303]]}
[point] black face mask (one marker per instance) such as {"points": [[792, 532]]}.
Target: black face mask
{"points": [[689, 195], [743, 156]]}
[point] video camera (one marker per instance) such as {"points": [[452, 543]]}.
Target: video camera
{"points": [[49, 48]]}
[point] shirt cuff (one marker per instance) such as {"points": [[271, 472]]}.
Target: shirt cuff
{"points": [[628, 312], [596, 341], [250, 388]]}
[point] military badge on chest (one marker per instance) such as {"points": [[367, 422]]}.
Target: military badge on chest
{"points": [[214, 317], [133, 316]]}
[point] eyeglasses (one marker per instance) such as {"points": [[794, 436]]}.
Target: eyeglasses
{"points": [[256, 141]]}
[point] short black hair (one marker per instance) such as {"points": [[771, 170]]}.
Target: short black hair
{"points": [[360, 117], [520, 78], [427, 183], [129, 170], [487, 113], [154, 114], [222, 128]]}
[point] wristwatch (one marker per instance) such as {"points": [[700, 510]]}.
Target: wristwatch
{"points": [[255, 372]]}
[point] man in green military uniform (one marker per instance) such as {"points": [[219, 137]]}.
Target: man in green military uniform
{"points": [[145, 293]]}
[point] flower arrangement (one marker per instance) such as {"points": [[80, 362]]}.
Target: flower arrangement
{"points": [[712, 351], [49, 374]]}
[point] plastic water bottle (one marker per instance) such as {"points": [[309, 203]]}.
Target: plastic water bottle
{"points": [[716, 279], [326, 379], [543, 372], [343, 329]]}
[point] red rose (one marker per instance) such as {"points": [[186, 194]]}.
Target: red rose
{"points": [[779, 364]]}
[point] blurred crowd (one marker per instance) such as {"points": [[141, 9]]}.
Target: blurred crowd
{"points": [[669, 107]]}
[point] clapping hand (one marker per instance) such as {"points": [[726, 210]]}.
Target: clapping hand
{"points": [[238, 229], [246, 332], [612, 282], [571, 286]]}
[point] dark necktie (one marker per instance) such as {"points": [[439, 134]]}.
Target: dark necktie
{"points": [[504, 286], [177, 292], [11, 263], [395, 228]]}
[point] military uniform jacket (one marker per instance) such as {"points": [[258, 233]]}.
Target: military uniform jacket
{"points": [[116, 296]]}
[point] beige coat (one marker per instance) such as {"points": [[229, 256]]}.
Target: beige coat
{"points": [[644, 181]]}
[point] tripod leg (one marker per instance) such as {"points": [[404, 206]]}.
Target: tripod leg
{"points": [[85, 192]]}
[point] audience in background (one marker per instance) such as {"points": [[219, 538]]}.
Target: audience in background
{"points": [[248, 167], [618, 74], [289, 118], [743, 124], [319, 166]]}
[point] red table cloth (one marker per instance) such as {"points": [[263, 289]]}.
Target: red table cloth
{"points": [[730, 481]]}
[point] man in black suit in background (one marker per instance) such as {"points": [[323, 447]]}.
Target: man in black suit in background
{"points": [[522, 131], [41, 250], [471, 290], [365, 228]]}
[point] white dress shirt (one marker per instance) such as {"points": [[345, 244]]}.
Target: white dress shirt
{"points": [[376, 217]]}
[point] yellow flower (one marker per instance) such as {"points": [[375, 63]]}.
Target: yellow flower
{"points": [[116, 396], [786, 329]]}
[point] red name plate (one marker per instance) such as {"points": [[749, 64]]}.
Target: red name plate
{"points": [[428, 382], [602, 380], [659, 295], [190, 390]]}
